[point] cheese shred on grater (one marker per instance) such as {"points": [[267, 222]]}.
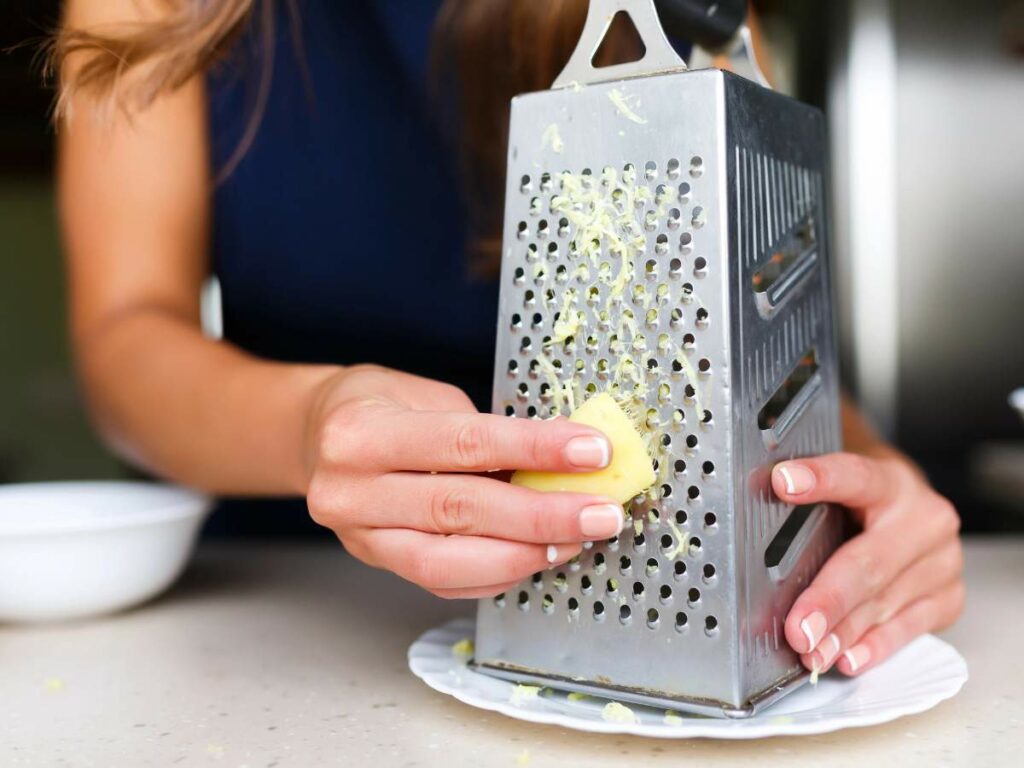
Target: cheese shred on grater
{"points": [[669, 251]]}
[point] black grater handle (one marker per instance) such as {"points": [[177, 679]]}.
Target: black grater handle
{"points": [[707, 23]]}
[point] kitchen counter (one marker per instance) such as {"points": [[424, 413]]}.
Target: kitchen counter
{"points": [[270, 656]]}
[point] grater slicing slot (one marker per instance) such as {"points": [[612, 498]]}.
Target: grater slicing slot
{"points": [[783, 553], [790, 401]]}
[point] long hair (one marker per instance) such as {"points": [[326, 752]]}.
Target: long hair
{"points": [[489, 50]]}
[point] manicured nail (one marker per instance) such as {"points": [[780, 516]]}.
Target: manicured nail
{"points": [[857, 657], [798, 478], [601, 521], [827, 652], [552, 553], [830, 649], [813, 627], [589, 452]]}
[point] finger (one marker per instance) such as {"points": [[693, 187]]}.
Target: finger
{"points": [[475, 593], [861, 568], [427, 441], [477, 506], [934, 612], [844, 478], [460, 562], [929, 574]]}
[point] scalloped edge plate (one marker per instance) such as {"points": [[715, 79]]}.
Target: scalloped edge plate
{"points": [[925, 673]]}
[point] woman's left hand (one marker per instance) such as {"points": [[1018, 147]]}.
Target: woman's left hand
{"points": [[897, 579]]}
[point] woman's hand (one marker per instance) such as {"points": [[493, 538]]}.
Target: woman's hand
{"points": [[395, 463], [899, 578]]}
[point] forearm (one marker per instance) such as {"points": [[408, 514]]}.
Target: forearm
{"points": [[860, 437], [195, 410]]}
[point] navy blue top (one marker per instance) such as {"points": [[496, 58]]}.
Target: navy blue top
{"points": [[339, 238]]}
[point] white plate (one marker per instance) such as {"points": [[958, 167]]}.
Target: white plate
{"points": [[915, 679], [71, 550]]}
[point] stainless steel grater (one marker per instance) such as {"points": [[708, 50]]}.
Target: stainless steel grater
{"points": [[665, 239]]}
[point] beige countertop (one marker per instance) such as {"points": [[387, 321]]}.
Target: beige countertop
{"points": [[295, 655]]}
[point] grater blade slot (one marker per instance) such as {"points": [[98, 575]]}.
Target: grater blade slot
{"points": [[800, 527], [790, 401]]}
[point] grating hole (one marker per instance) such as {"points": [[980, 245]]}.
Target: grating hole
{"points": [[548, 604], [639, 541], [638, 590], [704, 365], [519, 275], [693, 595], [686, 242], [560, 582], [525, 184], [689, 391], [711, 626], [545, 182], [700, 217], [499, 600], [537, 580], [599, 610], [681, 620], [510, 411], [673, 168], [586, 586], [709, 572], [531, 411], [612, 587], [652, 618], [574, 604], [651, 170], [666, 491], [674, 215], [681, 517], [678, 417], [700, 266], [695, 544], [661, 245], [710, 520], [624, 613], [665, 593], [696, 166], [524, 601], [625, 564], [528, 299], [702, 317], [691, 442], [693, 492], [679, 568], [667, 543], [651, 267], [684, 192], [652, 566], [680, 466], [677, 316], [543, 227], [522, 230], [708, 417]]}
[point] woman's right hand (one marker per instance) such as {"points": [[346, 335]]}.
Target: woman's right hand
{"points": [[395, 464]]}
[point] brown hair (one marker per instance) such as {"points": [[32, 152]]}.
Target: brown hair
{"points": [[491, 50]]}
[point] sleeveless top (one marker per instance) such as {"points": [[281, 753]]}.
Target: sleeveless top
{"points": [[339, 237]]}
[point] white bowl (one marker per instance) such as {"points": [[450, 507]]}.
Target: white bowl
{"points": [[71, 550]]}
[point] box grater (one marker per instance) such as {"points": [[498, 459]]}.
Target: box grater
{"points": [[665, 239]]}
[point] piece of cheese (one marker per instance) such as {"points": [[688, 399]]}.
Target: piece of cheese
{"points": [[630, 471]]}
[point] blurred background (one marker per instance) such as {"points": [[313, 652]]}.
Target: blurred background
{"points": [[926, 105]]}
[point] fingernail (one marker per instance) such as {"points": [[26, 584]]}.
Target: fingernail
{"points": [[827, 653], [813, 627], [798, 478], [601, 521], [829, 649], [589, 452], [857, 657], [552, 553]]}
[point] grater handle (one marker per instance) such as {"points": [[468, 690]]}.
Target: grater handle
{"points": [[659, 57], [710, 24]]}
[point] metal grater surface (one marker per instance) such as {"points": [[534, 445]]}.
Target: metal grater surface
{"points": [[665, 241]]}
